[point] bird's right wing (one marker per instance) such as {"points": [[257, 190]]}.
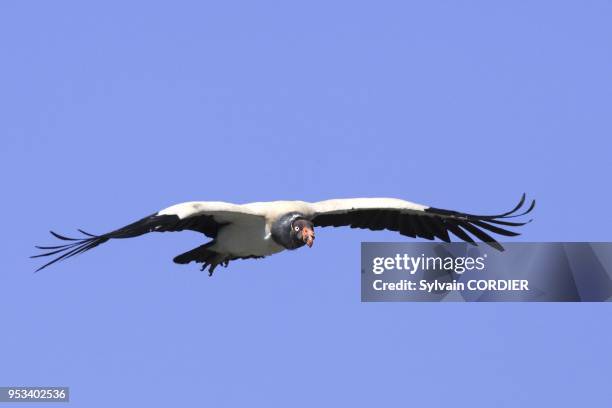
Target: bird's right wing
{"points": [[206, 217], [415, 220]]}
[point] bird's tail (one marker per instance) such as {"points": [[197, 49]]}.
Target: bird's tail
{"points": [[203, 255]]}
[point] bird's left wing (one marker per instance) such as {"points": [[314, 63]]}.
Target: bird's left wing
{"points": [[201, 216], [415, 220]]}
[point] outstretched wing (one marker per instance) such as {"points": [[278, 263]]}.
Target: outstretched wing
{"points": [[415, 220], [204, 217]]}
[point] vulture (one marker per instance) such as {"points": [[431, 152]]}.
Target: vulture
{"points": [[256, 230]]}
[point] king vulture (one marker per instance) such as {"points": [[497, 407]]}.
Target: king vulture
{"points": [[256, 230]]}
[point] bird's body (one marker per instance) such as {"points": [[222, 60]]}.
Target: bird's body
{"points": [[251, 238], [248, 229], [260, 229]]}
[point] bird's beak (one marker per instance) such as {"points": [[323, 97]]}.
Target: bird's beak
{"points": [[308, 236]]}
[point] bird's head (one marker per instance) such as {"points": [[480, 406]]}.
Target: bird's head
{"points": [[302, 232]]}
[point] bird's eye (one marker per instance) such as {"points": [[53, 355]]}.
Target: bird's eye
{"points": [[296, 228]]}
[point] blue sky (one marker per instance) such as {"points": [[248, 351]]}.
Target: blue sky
{"points": [[114, 110]]}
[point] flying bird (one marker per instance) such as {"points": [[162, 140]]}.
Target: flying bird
{"points": [[256, 230]]}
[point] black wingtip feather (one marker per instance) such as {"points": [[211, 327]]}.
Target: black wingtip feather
{"points": [[69, 251], [496, 245], [63, 238], [88, 234], [75, 247], [462, 223]]}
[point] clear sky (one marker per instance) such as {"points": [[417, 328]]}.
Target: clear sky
{"points": [[111, 111]]}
